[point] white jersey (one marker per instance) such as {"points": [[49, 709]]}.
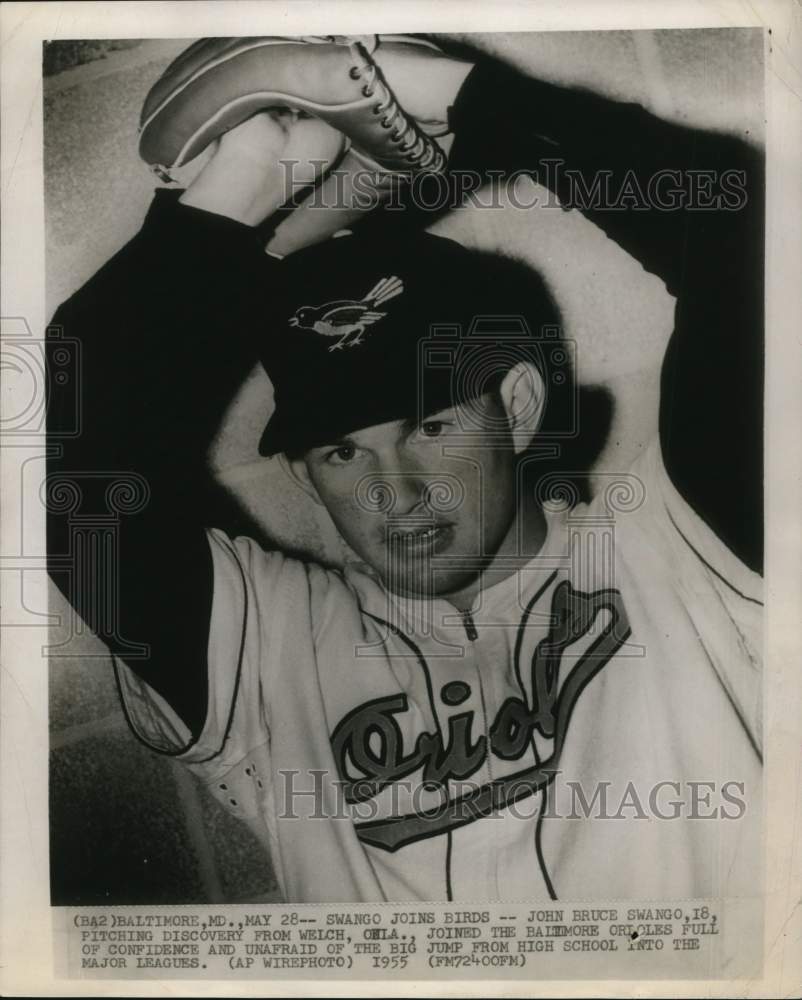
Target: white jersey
{"points": [[590, 730]]}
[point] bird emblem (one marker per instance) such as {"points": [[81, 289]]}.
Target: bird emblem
{"points": [[348, 319]]}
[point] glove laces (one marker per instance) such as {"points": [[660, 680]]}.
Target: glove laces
{"points": [[418, 149]]}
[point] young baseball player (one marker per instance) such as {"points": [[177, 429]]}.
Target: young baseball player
{"points": [[499, 700]]}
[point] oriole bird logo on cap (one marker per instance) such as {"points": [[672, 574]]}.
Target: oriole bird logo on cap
{"points": [[348, 319]]}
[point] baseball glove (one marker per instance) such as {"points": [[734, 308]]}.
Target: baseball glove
{"points": [[217, 83]]}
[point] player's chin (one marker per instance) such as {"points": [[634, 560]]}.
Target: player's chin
{"points": [[429, 582], [431, 575]]}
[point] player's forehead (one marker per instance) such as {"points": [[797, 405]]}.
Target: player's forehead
{"points": [[469, 415], [370, 437]]}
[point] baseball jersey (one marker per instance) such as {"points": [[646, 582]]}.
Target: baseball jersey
{"points": [[591, 728]]}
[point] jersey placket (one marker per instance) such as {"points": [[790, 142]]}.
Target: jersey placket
{"points": [[509, 834], [462, 717]]}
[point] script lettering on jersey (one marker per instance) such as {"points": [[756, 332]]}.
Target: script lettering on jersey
{"points": [[369, 741]]}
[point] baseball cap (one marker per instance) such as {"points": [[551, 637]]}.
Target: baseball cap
{"points": [[371, 328]]}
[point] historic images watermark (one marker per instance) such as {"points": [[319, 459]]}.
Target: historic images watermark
{"points": [[313, 794], [666, 189]]}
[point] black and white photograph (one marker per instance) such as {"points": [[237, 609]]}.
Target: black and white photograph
{"points": [[403, 473]]}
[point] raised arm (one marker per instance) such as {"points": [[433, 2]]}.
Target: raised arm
{"points": [[166, 331], [688, 204]]}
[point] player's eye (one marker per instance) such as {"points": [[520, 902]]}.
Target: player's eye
{"points": [[432, 428], [342, 455]]}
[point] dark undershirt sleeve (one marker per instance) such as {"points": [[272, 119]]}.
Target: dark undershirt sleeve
{"points": [[688, 204], [163, 335]]}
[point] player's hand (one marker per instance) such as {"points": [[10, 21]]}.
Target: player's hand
{"points": [[253, 168]]}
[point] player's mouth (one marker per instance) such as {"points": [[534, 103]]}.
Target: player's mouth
{"points": [[420, 539]]}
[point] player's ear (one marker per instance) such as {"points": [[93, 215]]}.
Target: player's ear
{"points": [[523, 396], [297, 471]]}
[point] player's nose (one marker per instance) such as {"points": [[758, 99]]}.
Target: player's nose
{"points": [[405, 482]]}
